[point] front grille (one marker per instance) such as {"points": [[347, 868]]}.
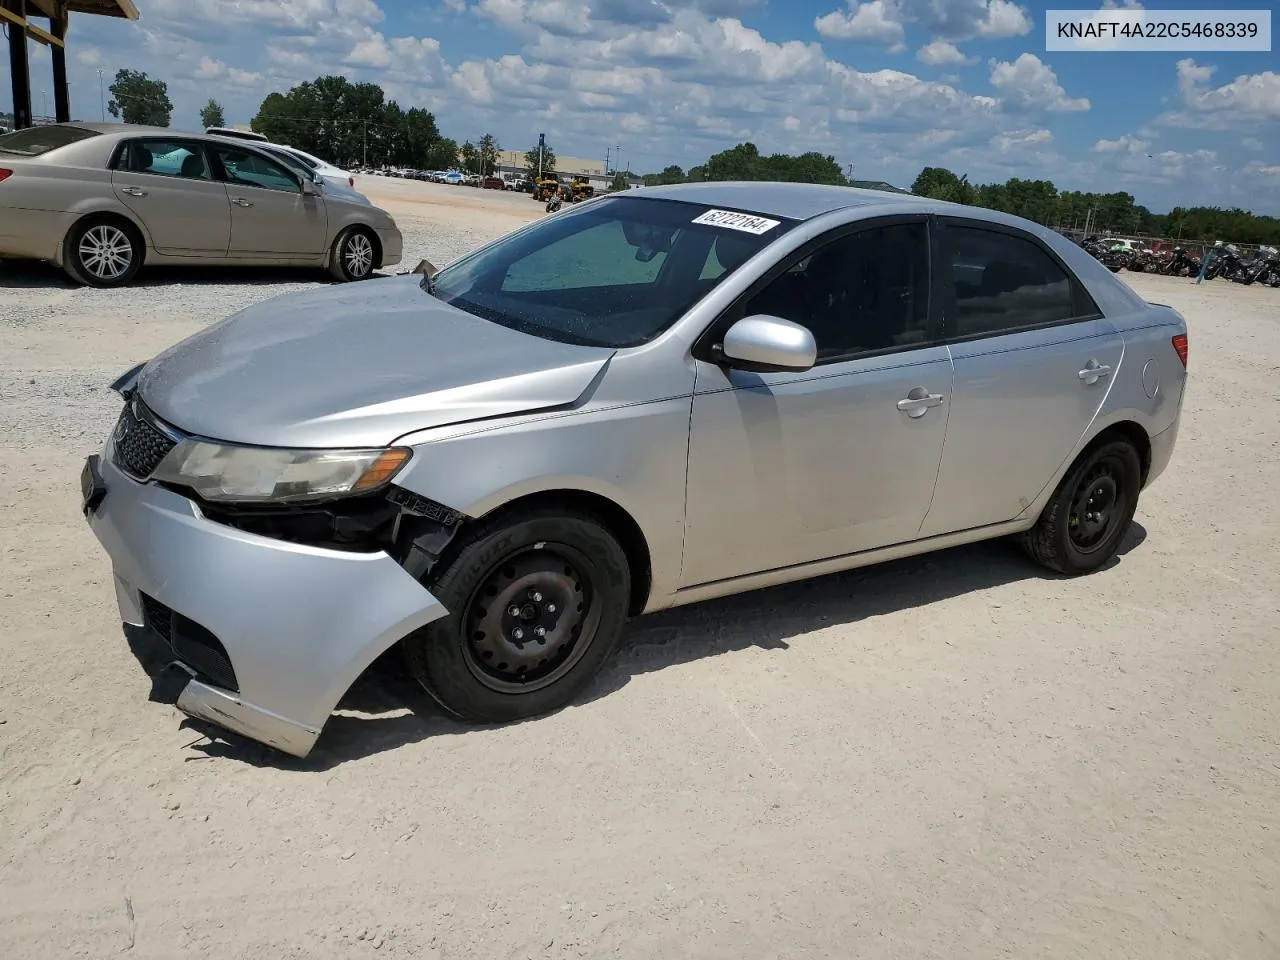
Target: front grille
{"points": [[191, 643], [139, 446]]}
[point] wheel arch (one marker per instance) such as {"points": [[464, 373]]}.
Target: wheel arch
{"points": [[368, 231], [104, 213], [1129, 430], [615, 518]]}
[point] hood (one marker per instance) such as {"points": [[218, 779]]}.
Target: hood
{"points": [[357, 365]]}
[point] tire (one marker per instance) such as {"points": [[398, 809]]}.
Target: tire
{"points": [[559, 572], [1063, 539], [354, 256], [103, 252]]}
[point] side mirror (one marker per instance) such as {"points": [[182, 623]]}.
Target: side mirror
{"points": [[309, 188], [765, 344]]}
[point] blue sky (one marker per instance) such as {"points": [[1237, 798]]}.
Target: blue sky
{"points": [[886, 85]]}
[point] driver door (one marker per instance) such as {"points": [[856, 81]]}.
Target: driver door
{"points": [[793, 467]]}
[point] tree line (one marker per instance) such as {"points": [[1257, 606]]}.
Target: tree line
{"points": [[1043, 202], [353, 124]]}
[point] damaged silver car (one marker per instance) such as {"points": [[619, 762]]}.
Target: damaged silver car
{"points": [[645, 401]]}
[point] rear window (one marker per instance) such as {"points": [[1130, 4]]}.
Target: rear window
{"points": [[34, 141]]}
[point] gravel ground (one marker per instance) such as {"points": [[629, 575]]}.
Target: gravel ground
{"points": [[951, 756]]}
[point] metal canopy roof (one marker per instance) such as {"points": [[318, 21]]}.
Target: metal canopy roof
{"points": [[104, 8]]}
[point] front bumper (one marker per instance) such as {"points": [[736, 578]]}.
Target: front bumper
{"points": [[299, 624], [392, 246]]}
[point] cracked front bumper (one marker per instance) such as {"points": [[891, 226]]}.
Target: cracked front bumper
{"points": [[299, 624]]}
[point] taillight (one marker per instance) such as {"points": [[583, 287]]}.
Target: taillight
{"points": [[5, 174], [1180, 347]]}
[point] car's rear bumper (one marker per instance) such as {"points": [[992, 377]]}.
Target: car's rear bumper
{"points": [[32, 234], [273, 632]]}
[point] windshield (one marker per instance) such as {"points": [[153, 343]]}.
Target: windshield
{"points": [[614, 273], [33, 141]]}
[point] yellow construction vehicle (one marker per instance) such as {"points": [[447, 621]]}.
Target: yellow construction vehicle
{"points": [[546, 187], [580, 188]]}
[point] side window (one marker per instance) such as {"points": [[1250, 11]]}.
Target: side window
{"points": [[866, 291], [249, 169], [1004, 283], [598, 256], [166, 158]]}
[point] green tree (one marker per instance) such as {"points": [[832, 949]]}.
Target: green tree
{"points": [[488, 149], [939, 183], [211, 115], [442, 155], [619, 181], [470, 157], [671, 174], [744, 162], [136, 98], [531, 160]]}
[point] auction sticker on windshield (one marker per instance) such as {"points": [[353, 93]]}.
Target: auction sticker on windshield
{"points": [[746, 222]]}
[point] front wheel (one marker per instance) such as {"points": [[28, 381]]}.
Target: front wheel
{"points": [[536, 606], [353, 256], [1090, 511]]}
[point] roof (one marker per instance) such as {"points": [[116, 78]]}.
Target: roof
{"points": [[102, 8], [796, 201]]}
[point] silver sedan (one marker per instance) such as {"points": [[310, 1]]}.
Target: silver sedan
{"points": [[100, 200], [646, 401]]}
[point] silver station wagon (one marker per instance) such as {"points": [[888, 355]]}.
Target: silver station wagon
{"points": [[645, 401]]}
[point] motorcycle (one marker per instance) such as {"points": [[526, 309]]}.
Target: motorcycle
{"points": [[1142, 261], [1264, 268], [1179, 264], [1226, 261]]}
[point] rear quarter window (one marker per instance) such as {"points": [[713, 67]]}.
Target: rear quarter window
{"points": [[36, 141]]}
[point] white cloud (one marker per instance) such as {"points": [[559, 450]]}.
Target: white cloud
{"points": [[1021, 140], [1251, 143], [1125, 144], [874, 20], [210, 69], [1122, 5], [939, 53], [1030, 84], [885, 21], [1256, 168]]}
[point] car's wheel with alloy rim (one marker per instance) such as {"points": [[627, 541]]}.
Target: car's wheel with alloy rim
{"points": [[354, 255], [103, 252], [536, 606], [1091, 510]]}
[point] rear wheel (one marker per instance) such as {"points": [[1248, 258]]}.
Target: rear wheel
{"points": [[1090, 511], [354, 255], [537, 605], [102, 252]]}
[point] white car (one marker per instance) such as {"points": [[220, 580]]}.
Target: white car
{"points": [[337, 181]]}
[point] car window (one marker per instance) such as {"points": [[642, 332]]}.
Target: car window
{"points": [[865, 291], [165, 158], [293, 162], [305, 159], [616, 272], [1003, 282], [251, 169], [34, 141]]}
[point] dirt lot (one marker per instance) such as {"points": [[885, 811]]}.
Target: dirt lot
{"points": [[952, 756]]}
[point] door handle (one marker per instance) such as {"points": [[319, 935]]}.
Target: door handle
{"points": [[134, 191], [918, 401], [242, 202], [1093, 372]]}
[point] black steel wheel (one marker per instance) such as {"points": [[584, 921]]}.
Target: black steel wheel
{"points": [[532, 619], [537, 603], [1089, 513]]}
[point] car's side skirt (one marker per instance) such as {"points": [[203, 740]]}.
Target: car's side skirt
{"points": [[818, 568]]}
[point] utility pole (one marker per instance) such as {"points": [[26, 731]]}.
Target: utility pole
{"points": [[542, 144], [607, 151], [102, 101], [364, 143]]}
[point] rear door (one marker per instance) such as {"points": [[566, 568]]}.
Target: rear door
{"points": [[271, 218], [1033, 361], [169, 185]]}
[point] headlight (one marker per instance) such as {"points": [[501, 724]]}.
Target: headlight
{"points": [[223, 472]]}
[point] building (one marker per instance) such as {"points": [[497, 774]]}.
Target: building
{"points": [[512, 161], [16, 15]]}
